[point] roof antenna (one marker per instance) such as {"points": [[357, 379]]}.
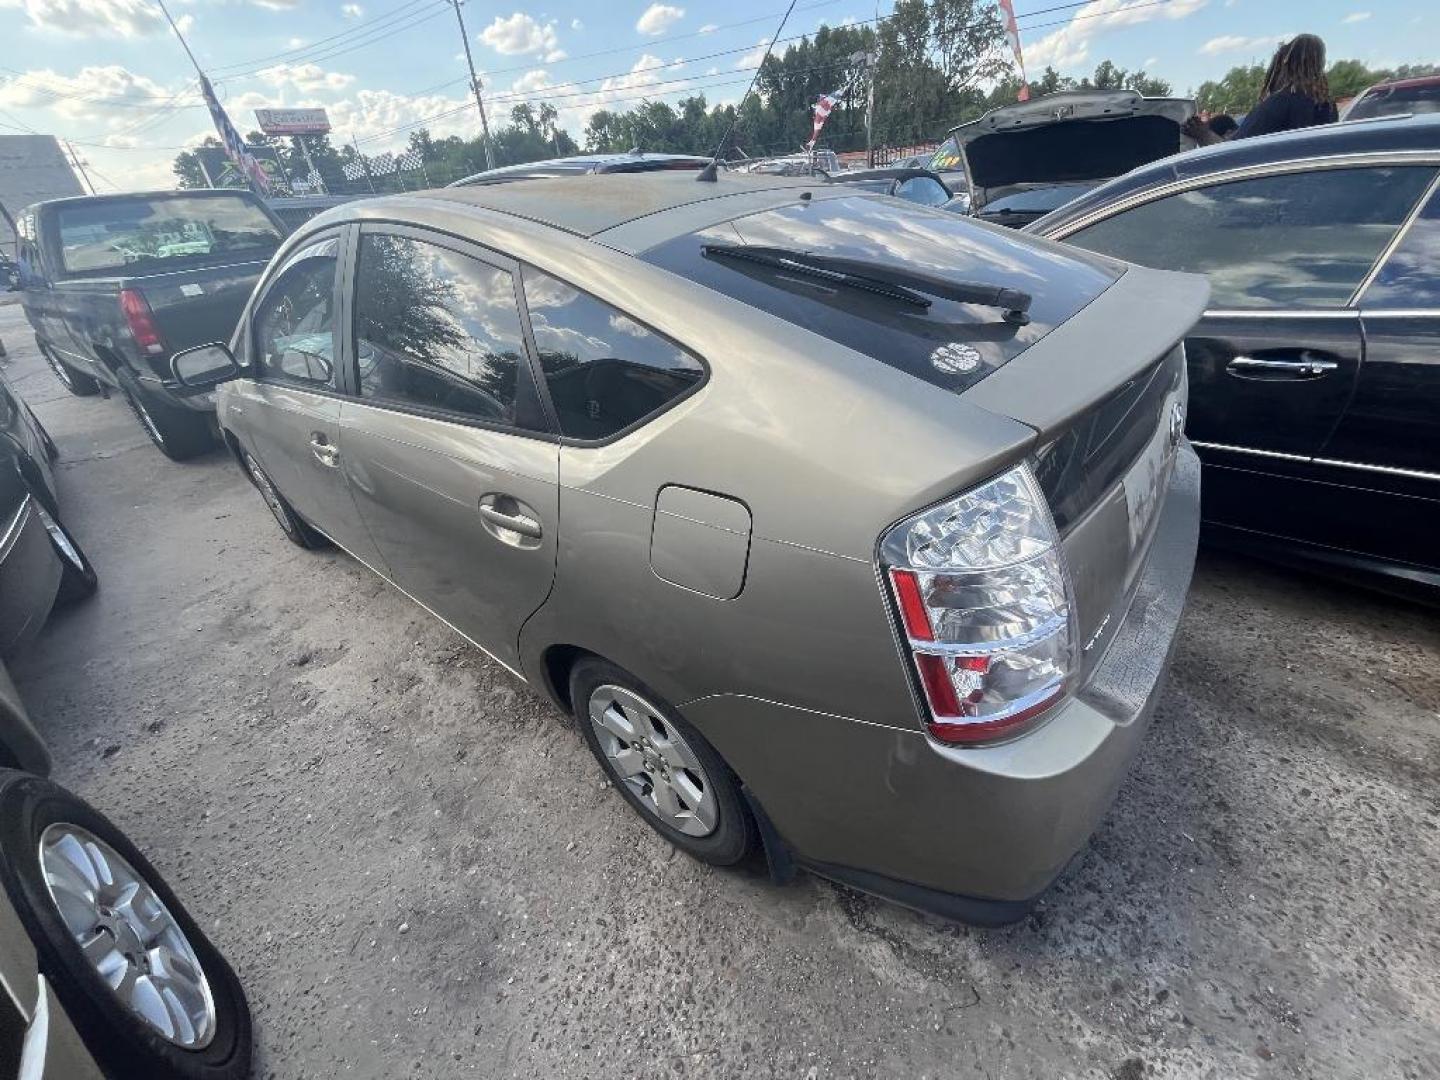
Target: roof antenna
{"points": [[707, 174]]}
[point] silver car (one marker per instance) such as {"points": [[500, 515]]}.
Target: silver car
{"points": [[844, 526]]}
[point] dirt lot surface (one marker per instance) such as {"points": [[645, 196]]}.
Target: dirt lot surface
{"points": [[413, 864]]}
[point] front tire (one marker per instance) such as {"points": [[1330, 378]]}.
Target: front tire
{"points": [[148, 993], [78, 579], [179, 433], [296, 530], [661, 765], [77, 382]]}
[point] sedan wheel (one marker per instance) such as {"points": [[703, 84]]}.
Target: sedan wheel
{"points": [[128, 935], [650, 757]]}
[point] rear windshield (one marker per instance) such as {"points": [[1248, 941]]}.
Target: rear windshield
{"points": [[161, 231], [1396, 101], [1037, 200], [948, 344]]}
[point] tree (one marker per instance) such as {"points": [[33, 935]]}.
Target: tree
{"points": [[186, 166]]}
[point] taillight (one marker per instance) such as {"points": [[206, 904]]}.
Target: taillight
{"points": [[141, 321], [982, 595]]}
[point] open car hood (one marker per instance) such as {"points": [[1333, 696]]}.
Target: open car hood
{"points": [[1072, 137]]}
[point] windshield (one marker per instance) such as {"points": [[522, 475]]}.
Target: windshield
{"points": [[1036, 200], [116, 234], [947, 158], [1396, 101]]}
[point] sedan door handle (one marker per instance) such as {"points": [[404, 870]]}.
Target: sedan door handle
{"points": [[519, 523], [1305, 366], [326, 454]]}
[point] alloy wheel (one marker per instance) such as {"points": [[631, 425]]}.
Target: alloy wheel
{"points": [[128, 935], [268, 492], [651, 758]]}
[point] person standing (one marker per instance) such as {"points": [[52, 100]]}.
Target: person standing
{"points": [[1295, 94]]}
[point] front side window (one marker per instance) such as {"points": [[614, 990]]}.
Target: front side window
{"points": [[1298, 240], [605, 371], [923, 190], [437, 330], [1408, 278], [295, 322]]}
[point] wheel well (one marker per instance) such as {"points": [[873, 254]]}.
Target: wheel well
{"points": [[108, 358], [557, 663], [233, 444]]}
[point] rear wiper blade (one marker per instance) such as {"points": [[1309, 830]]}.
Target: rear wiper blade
{"points": [[800, 263], [878, 277]]}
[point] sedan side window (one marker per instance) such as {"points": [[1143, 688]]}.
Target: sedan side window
{"points": [[1293, 241], [604, 370], [295, 322], [437, 330], [1408, 278], [923, 190]]}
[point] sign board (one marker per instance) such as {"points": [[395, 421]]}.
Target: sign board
{"points": [[224, 173], [292, 121]]}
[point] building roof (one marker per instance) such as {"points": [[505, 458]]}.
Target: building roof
{"points": [[591, 203], [32, 168]]}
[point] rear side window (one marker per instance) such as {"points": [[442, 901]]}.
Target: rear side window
{"points": [[1408, 278], [437, 330], [1297, 240], [923, 190], [605, 371], [295, 321]]}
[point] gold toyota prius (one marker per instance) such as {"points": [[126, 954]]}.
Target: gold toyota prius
{"points": [[845, 527]]}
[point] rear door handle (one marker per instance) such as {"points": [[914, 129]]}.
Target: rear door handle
{"points": [[523, 524], [1304, 366], [326, 454]]}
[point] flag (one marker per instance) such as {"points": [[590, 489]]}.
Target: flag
{"points": [[1007, 10], [411, 159], [234, 144], [383, 164], [822, 113], [353, 170]]}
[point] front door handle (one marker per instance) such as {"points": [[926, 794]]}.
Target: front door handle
{"points": [[324, 452], [523, 524], [1305, 366]]}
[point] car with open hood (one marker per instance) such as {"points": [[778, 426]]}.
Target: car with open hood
{"points": [[1027, 159], [840, 524]]}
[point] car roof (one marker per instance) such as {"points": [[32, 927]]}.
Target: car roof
{"points": [[576, 163], [881, 172], [1382, 135], [1405, 84], [121, 196], [591, 203]]}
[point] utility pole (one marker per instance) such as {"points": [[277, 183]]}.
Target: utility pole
{"points": [[475, 85], [75, 160], [363, 163], [870, 111]]}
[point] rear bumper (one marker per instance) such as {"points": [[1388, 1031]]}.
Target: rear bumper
{"points": [[975, 834]]}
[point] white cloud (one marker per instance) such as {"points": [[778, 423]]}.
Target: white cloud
{"points": [[1069, 46], [531, 81], [276, 5], [709, 28], [76, 97], [295, 42], [94, 18], [1150, 61], [351, 11], [305, 77], [1231, 43], [752, 58], [576, 24], [1356, 16], [658, 18], [520, 35]]}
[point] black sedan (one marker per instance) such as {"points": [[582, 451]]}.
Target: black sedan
{"points": [[1315, 375]]}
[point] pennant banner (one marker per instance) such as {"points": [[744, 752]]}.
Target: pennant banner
{"points": [[1012, 32], [234, 144], [823, 107]]}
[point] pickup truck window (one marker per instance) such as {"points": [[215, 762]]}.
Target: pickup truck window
{"points": [[139, 232]]}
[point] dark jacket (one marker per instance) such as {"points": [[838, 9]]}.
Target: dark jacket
{"points": [[1286, 111]]}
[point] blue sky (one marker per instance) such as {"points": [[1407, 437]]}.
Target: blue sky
{"points": [[108, 75]]}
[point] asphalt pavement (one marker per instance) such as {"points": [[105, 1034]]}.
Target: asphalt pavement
{"points": [[413, 862]]}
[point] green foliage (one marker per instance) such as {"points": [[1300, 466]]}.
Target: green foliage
{"points": [[1238, 90]]}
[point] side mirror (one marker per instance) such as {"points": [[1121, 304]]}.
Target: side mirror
{"points": [[204, 365]]}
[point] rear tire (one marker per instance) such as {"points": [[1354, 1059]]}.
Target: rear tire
{"points": [[296, 529], [123, 1042], [179, 433], [77, 382], [662, 766]]}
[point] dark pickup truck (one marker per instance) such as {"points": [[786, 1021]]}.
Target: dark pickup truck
{"points": [[114, 285]]}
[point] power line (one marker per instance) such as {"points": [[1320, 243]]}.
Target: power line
{"points": [[358, 28], [371, 37]]}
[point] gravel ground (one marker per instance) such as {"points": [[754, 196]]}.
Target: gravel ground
{"points": [[414, 866]]}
